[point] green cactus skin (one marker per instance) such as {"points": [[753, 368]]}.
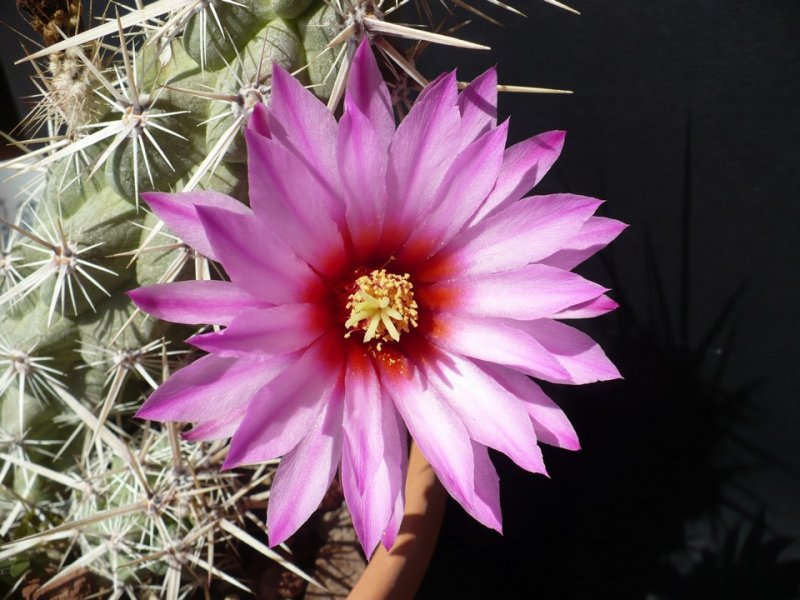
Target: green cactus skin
{"points": [[317, 27]]}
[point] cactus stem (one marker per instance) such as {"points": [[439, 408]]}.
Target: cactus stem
{"points": [[63, 261], [28, 373]]}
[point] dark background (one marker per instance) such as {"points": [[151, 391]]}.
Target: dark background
{"points": [[685, 119]]}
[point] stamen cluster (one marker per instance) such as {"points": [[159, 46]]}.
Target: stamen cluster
{"points": [[382, 306]]}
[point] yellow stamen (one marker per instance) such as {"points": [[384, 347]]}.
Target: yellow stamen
{"points": [[382, 306]]}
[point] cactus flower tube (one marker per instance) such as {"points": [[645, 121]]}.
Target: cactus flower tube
{"points": [[385, 280]]}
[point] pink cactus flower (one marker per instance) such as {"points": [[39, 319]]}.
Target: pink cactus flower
{"points": [[385, 280]]}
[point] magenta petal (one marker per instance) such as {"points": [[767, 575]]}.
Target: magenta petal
{"points": [[362, 165], [179, 214], [259, 120], [525, 232], [269, 331], [280, 414], [478, 106], [367, 93], [257, 260], [499, 341], [469, 179], [524, 165], [531, 292], [305, 473], [374, 455], [579, 354], [587, 310], [549, 421], [302, 123], [595, 235], [291, 203], [210, 388], [492, 416], [444, 441], [194, 302], [393, 527], [218, 429], [423, 148]]}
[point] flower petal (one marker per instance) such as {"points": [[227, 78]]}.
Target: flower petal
{"points": [[531, 292], [478, 106], [302, 123], [280, 414], [257, 260], [468, 181], [595, 235], [218, 429], [423, 148], [179, 214], [362, 168], [305, 473], [524, 165], [293, 205], [492, 416], [210, 388], [374, 457], [549, 421], [587, 310], [367, 92], [499, 341], [523, 233], [259, 120], [444, 441], [393, 527], [579, 354], [194, 302], [267, 331]]}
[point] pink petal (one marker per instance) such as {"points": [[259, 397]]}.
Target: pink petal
{"points": [[259, 120], [468, 181], [375, 454], [393, 527], [179, 214], [444, 441], [423, 148], [305, 473], [367, 93], [493, 417], [525, 232], [595, 235], [365, 133], [210, 388], [293, 205], [194, 302], [267, 331], [587, 310], [549, 421], [218, 429], [302, 123], [524, 165], [531, 292], [281, 413], [579, 354], [478, 106], [362, 166], [257, 260], [499, 341]]}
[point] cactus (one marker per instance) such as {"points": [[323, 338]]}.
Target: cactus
{"points": [[83, 484]]}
